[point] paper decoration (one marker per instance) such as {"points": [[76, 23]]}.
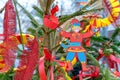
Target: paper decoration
{"points": [[75, 49], [75, 43], [103, 22], [51, 21]]}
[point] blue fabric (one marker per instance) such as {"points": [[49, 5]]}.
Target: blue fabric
{"points": [[64, 46], [70, 56], [75, 44], [70, 44], [81, 57], [76, 24]]}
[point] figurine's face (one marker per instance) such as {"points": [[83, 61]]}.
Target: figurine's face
{"points": [[76, 27]]}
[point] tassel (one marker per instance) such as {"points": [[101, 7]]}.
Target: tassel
{"points": [[9, 20], [28, 62], [8, 47]]}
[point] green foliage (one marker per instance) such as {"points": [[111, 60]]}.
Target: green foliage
{"points": [[7, 76], [117, 43], [115, 49], [108, 45], [39, 11], [29, 15], [31, 30], [92, 49], [107, 74], [93, 59], [36, 75], [1, 10], [77, 13], [116, 32], [98, 39]]}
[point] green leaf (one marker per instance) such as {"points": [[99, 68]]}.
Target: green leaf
{"points": [[116, 49], [39, 11], [117, 43], [108, 51], [98, 39], [107, 74], [89, 56], [29, 15], [31, 30], [116, 32], [96, 44], [92, 49]]}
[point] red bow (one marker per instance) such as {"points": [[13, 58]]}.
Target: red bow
{"points": [[51, 21]]}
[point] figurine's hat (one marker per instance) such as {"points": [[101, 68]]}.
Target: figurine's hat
{"points": [[75, 22]]}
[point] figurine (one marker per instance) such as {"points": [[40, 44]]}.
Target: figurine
{"points": [[75, 45]]}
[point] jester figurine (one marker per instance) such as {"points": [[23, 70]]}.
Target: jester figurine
{"points": [[74, 48]]}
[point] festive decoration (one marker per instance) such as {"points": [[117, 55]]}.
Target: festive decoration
{"points": [[75, 49], [8, 52], [9, 20], [47, 56], [51, 21], [73, 44], [8, 46], [28, 61], [114, 13]]}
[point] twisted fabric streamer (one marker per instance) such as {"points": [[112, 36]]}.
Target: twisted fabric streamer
{"points": [[8, 47], [28, 61]]}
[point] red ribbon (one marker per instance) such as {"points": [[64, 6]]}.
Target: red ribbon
{"points": [[42, 69], [47, 56], [51, 73], [114, 58], [54, 10]]}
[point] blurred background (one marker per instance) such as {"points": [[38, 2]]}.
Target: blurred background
{"points": [[65, 7]]}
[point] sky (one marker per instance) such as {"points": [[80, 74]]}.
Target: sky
{"points": [[66, 7], [27, 4]]}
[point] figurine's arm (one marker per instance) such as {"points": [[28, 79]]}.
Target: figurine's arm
{"points": [[115, 10], [88, 34], [64, 33]]}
